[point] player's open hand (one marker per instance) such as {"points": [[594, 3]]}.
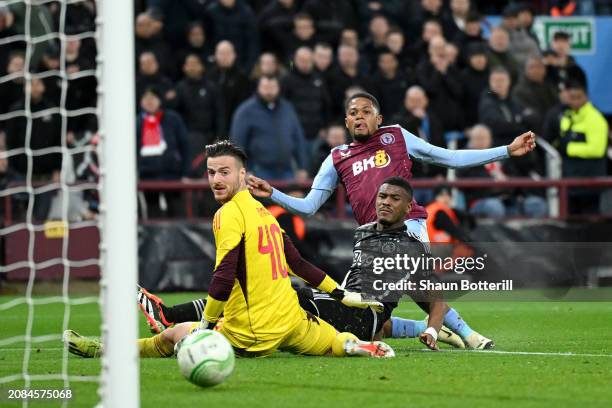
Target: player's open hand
{"points": [[429, 341], [259, 187], [522, 145]]}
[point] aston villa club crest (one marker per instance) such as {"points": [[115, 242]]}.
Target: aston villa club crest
{"points": [[345, 153], [387, 138]]}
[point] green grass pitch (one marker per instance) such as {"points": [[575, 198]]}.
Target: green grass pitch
{"points": [[414, 378]]}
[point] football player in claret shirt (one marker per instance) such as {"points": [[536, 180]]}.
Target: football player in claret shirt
{"points": [[250, 285], [376, 154]]}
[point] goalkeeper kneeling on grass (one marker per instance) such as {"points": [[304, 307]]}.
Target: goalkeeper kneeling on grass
{"points": [[250, 285], [386, 237]]}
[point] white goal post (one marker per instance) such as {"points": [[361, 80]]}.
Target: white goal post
{"points": [[120, 386]]}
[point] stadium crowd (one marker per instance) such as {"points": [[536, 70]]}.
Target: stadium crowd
{"points": [[273, 75]]}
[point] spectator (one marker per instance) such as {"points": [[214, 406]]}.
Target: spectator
{"points": [[475, 79], [163, 151], [522, 45], [45, 132], [427, 10], [268, 129], [323, 56], [332, 17], [81, 91], [198, 102], [420, 49], [583, 141], [7, 29], [345, 75], [149, 27], [564, 68], [231, 81], [12, 91], [234, 21], [500, 55], [177, 16], [534, 92], [471, 34], [308, 94], [53, 82], [484, 201], [396, 43], [149, 76], [526, 19], [303, 35], [443, 85], [376, 42], [499, 111], [457, 21], [267, 64], [40, 25], [275, 22], [417, 118], [196, 44], [391, 83], [335, 135], [350, 37]]}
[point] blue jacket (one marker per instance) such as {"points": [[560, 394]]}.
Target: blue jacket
{"points": [[271, 137], [175, 162]]}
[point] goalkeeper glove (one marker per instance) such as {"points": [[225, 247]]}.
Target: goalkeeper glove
{"points": [[354, 299], [206, 325]]}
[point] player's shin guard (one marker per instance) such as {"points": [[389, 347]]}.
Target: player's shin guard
{"points": [[156, 346]]}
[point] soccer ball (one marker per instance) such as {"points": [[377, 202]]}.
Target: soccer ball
{"points": [[205, 358]]}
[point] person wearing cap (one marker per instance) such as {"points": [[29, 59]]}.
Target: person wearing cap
{"points": [[475, 79]]}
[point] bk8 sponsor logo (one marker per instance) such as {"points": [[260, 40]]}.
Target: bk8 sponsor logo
{"points": [[379, 160]]}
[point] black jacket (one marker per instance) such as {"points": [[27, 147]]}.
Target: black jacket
{"points": [[46, 132], [234, 85], [474, 83], [445, 93], [200, 105], [391, 92], [310, 98]]}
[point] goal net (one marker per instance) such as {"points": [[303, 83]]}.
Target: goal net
{"points": [[68, 256]]}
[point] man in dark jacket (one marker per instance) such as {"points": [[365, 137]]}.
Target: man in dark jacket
{"points": [[235, 21], [198, 101], [475, 79], [504, 115], [268, 129], [534, 92], [443, 85], [391, 82], [499, 111], [45, 132], [308, 94], [417, 118], [275, 22], [499, 53], [231, 81]]}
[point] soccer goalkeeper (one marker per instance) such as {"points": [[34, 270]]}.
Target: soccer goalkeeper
{"points": [[250, 284]]}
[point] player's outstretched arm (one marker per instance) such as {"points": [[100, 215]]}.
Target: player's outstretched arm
{"points": [[423, 151], [437, 310]]}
